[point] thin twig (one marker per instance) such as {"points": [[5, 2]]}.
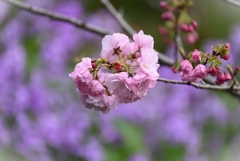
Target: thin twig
{"points": [[129, 30], [233, 2], [76, 22], [177, 37], [199, 86], [59, 17]]}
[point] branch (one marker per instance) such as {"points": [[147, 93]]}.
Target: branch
{"points": [[130, 31], [99, 31], [76, 22], [200, 86], [177, 37], [233, 2], [59, 17]]}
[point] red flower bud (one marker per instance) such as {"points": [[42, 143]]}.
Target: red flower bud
{"points": [[118, 67], [174, 69], [194, 24], [94, 65], [184, 27], [167, 16], [225, 56], [213, 70]]}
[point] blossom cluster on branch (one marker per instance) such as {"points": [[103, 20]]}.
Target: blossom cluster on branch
{"points": [[123, 73], [193, 68], [175, 15]]}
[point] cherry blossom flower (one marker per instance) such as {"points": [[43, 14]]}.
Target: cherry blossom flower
{"points": [[112, 43], [123, 74], [142, 40], [200, 71], [186, 66]]}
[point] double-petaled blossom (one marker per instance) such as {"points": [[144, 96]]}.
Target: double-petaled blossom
{"points": [[200, 71], [192, 74], [112, 44], [222, 78], [187, 73], [186, 66], [212, 70], [143, 41], [92, 92], [123, 74]]}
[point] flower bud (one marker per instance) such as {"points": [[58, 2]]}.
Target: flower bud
{"points": [[213, 70], [184, 27], [196, 55], [186, 66], [167, 16], [174, 69], [190, 28], [163, 5], [227, 45], [194, 24], [225, 56], [162, 30], [220, 79], [117, 66], [227, 76], [200, 71], [191, 38]]}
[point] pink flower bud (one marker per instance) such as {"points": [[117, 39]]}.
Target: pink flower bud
{"points": [[162, 30], [167, 16], [174, 69], [220, 79], [184, 27], [163, 5], [200, 71], [186, 66], [196, 55], [213, 70], [194, 24], [225, 56], [189, 77], [227, 77], [191, 38], [190, 28], [227, 45]]}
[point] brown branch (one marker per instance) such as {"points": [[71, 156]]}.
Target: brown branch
{"points": [[59, 17], [200, 86], [99, 31], [177, 37], [126, 27]]}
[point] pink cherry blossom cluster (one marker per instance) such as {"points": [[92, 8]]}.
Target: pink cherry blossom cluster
{"points": [[191, 74], [185, 22], [123, 73], [193, 68]]}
